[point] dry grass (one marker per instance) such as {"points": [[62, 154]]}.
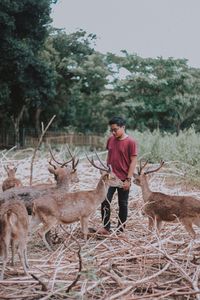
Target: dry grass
{"points": [[135, 265]]}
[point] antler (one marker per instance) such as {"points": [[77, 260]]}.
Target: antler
{"points": [[105, 168], [59, 163], [52, 164], [103, 165], [140, 168], [74, 164], [155, 170]]}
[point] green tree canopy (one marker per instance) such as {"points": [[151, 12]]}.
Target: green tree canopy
{"points": [[25, 79]]}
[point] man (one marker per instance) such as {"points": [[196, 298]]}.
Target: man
{"points": [[122, 156]]}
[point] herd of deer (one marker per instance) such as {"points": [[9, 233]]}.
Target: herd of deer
{"points": [[51, 204]]}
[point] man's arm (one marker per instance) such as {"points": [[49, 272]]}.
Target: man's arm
{"points": [[127, 183], [132, 166]]}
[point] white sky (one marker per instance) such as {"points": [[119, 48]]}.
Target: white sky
{"points": [[150, 28]]}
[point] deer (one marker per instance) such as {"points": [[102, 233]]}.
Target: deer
{"points": [[71, 207], [65, 175], [13, 231], [11, 181], [161, 207]]}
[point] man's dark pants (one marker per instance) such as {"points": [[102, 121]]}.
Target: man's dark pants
{"points": [[123, 207]]}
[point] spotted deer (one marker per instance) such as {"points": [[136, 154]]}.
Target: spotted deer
{"points": [[68, 208], [13, 232], [11, 181], [161, 207], [65, 174]]}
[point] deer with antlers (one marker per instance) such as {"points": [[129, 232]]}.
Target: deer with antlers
{"points": [[64, 174], [14, 232], [11, 181], [67, 208], [161, 207]]}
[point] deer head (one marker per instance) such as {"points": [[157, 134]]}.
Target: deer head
{"points": [[106, 172], [140, 178], [11, 171], [64, 172]]}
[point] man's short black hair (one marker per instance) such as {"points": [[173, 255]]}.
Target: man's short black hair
{"points": [[117, 120]]}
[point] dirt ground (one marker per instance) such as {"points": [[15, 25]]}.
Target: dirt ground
{"points": [[137, 264]]}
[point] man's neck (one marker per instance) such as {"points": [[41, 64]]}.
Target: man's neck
{"points": [[122, 137]]}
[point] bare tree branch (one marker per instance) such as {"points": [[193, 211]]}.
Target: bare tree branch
{"points": [[44, 130]]}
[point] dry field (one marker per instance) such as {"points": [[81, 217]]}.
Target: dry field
{"points": [[135, 265]]}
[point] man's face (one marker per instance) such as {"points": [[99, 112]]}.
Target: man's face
{"points": [[117, 131]]}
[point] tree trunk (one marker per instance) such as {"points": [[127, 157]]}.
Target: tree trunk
{"points": [[16, 122], [37, 120], [16, 130], [178, 126]]}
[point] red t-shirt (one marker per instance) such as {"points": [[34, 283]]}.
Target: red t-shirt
{"points": [[119, 155]]}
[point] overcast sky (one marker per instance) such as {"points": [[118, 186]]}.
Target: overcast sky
{"points": [[150, 28]]}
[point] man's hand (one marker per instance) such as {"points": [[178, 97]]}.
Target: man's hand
{"points": [[127, 185]]}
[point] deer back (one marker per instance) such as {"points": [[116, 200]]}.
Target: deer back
{"points": [[13, 220]]}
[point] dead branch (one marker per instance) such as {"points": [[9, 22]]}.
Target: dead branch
{"points": [[44, 287], [80, 262], [44, 130]]}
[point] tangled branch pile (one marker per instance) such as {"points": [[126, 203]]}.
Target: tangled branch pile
{"points": [[134, 265]]}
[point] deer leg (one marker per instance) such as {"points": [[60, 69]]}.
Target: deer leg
{"points": [[158, 224], [22, 257], [3, 267], [23, 246], [84, 226], [35, 221], [13, 251], [48, 238], [5, 250], [5, 260], [188, 226], [151, 223], [44, 230], [25, 258], [42, 235]]}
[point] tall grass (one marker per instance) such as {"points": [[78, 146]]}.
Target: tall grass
{"points": [[182, 150]]}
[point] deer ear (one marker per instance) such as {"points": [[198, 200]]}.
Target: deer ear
{"points": [[51, 170], [106, 176]]}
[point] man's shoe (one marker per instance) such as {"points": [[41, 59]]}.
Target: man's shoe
{"points": [[92, 230], [103, 231]]}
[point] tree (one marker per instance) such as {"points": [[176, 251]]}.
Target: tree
{"points": [[25, 79], [157, 93], [81, 77]]}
